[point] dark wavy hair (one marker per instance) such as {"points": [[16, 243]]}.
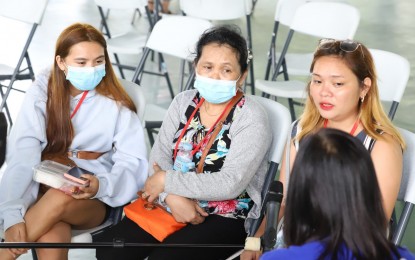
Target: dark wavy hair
{"points": [[225, 34], [334, 197]]}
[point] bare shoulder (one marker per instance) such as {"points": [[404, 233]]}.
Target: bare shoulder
{"points": [[387, 148], [387, 142]]}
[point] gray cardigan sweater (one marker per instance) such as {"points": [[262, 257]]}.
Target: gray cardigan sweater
{"points": [[245, 165]]}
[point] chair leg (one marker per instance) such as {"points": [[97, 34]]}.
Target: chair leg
{"points": [[403, 222], [6, 108], [182, 74], [393, 223], [117, 61], [251, 75], [292, 110], [166, 75], [136, 11], [34, 255], [150, 136], [29, 66], [251, 65]]}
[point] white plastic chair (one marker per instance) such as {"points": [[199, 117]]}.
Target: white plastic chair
{"points": [[30, 13], [131, 42], [136, 94], [173, 35], [407, 189], [393, 74], [280, 122], [219, 10], [296, 63], [176, 36], [318, 19], [284, 14]]}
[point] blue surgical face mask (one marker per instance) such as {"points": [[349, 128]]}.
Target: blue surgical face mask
{"points": [[85, 78], [214, 90]]}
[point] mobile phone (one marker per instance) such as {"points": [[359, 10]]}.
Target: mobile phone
{"points": [[74, 174]]}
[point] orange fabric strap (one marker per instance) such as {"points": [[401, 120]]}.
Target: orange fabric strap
{"points": [[85, 155], [218, 127]]}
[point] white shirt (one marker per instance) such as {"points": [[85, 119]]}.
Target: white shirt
{"points": [[100, 125]]}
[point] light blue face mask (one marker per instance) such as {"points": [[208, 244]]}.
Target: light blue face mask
{"points": [[85, 78], [215, 91]]}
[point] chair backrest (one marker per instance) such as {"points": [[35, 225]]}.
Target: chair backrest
{"points": [[285, 9], [121, 4], [177, 35], [137, 95], [407, 188], [280, 121], [326, 20], [393, 74], [30, 13], [218, 10], [321, 19], [25, 11]]}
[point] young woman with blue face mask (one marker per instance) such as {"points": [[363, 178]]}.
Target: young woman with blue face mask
{"points": [[218, 198], [78, 113]]}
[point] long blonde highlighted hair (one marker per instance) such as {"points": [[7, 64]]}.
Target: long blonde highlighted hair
{"points": [[59, 129], [372, 116]]}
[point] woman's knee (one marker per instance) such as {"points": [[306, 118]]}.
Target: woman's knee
{"points": [[55, 202], [59, 233]]}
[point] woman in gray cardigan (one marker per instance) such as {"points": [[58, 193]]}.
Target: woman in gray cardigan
{"points": [[215, 194]]}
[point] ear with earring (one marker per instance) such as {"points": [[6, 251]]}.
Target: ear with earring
{"points": [[249, 56], [362, 99]]}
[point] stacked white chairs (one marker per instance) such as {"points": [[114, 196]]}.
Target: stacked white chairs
{"points": [[130, 42], [318, 19], [29, 13], [284, 13], [295, 63]]}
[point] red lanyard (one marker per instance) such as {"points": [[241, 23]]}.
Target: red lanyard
{"points": [[79, 103], [356, 124], [205, 138]]}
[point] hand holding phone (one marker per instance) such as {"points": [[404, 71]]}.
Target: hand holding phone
{"points": [[74, 174]]}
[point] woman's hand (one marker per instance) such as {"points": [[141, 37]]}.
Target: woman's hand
{"points": [[250, 255], [16, 233], [90, 191], [154, 184], [185, 210]]}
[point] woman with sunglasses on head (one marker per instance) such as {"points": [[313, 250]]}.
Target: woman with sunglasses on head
{"points": [[343, 94], [334, 205], [75, 113], [217, 198]]}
